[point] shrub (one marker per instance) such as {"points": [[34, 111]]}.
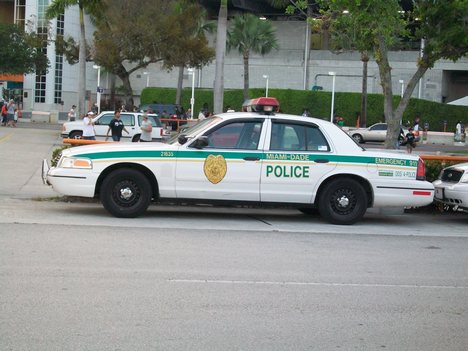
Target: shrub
{"points": [[56, 154], [318, 103]]}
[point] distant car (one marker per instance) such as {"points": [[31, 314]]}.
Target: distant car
{"points": [[172, 110], [452, 186], [376, 132], [131, 120]]}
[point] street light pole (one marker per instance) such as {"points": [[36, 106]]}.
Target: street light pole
{"points": [[266, 90], [147, 74], [98, 90], [402, 82], [192, 99], [333, 74]]}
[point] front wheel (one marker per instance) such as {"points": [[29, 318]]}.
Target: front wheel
{"points": [[126, 193], [75, 135], [343, 201]]}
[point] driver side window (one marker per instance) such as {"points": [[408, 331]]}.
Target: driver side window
{"points": [[236, 135]]}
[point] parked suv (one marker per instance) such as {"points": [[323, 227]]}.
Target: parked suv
{"points": [[131, 120]]}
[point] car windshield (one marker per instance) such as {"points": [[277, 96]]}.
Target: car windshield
{"points": [[194, 130]]}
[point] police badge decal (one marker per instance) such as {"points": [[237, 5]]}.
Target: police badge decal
{"points": [[215, 168]]}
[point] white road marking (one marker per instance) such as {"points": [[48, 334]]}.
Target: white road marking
{"points": [[255, 282]]}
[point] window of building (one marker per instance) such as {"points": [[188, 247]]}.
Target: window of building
{"points": [[59, 63]]}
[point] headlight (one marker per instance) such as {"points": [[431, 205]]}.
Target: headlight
{"points": [[464, 178], [70, 162]]}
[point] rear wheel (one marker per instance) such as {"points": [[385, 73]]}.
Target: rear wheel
{"points": [[76, 135], [358, 138], [126, 193], [136, 138], [343, 201]]}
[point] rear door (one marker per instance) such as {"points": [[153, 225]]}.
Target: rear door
{"points": [[298, 157]]}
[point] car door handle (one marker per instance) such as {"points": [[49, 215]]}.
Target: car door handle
{"points": [[321, 160], [251, 158]]}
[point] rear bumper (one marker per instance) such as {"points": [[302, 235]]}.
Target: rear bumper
{"points": [[403, 194]]}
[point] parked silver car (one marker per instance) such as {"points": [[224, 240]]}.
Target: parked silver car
{"points": [[376, 132], [451, 188]]}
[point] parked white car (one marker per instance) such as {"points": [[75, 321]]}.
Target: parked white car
{"points": [[376, 132], [452, 186], [131, 120]]}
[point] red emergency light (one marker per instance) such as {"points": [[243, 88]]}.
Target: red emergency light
{"points": [[266, 105]]}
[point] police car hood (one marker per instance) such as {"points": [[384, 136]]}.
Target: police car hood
{"points": [[112, 147]]}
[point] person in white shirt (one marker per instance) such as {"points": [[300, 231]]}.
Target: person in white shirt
{"points": [[146, 129], [201, 116], [72, 114], [88, 129]]}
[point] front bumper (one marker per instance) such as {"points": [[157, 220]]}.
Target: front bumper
{"points": [[451, 194]]}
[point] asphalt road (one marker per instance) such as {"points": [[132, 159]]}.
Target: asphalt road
{"points": [[201, 278]]}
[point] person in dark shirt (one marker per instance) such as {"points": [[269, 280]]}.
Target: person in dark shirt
{"points": [[410, 141], [116, 126]]}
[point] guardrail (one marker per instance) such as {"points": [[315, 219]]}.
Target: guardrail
{"points": [[83, 141], [444, 158], [177, 123]]}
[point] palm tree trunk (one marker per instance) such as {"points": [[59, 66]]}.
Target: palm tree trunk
{"points": [[82, 66], [218, 93], [180, 81], [365, 60], [246, 76]]}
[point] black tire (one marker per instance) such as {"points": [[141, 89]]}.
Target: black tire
{"points": [[136, 138], [358, 137], [76, 135], [343, 201], [309, 211], [126, 193]]}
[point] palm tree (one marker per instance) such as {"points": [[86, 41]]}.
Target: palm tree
{"points": [[251, 34], [55, 9], [218, 93]]}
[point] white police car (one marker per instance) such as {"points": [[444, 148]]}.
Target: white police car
{"points": [[253, 157]]}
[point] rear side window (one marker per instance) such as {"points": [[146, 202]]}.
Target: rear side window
{"points": [[105, 119], [154, 120], [297, 137], [128, 120]]}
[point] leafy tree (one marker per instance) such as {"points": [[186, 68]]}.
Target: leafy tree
{"points": [[155, 31], [249, 34], [379, 24], [20, 52], [55, 9], [220, 55], [196, 30]]}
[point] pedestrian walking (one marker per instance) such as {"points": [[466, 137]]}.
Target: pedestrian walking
{"points": [[72, 114], [11, 113], [4, 112], [410, 141], [88, 128], [116, 126], [146, 129]]}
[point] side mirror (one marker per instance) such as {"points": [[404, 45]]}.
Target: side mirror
{"points": [[201, 142], [182, 139]]}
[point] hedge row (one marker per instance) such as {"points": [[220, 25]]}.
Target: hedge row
{"points": [[347, 105]]}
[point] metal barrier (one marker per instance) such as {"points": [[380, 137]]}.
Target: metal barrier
{"points": [[84, 142], [177, 122], [444, 158]]}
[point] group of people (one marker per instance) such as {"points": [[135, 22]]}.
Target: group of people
{"points": [[116, 127], [9, 113]]}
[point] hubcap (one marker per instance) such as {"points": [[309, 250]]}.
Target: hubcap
{"points": [[343, 201], [126, 193]]}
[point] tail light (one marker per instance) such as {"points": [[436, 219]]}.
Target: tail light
{"points": [[421, 171], [161, 132]]}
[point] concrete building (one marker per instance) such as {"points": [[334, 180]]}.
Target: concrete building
{"points": [[57, 90]]}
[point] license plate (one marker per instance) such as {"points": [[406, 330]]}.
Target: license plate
{"points": [[439, 193]]}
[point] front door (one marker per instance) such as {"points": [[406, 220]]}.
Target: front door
{"points": [[228, 168]]}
